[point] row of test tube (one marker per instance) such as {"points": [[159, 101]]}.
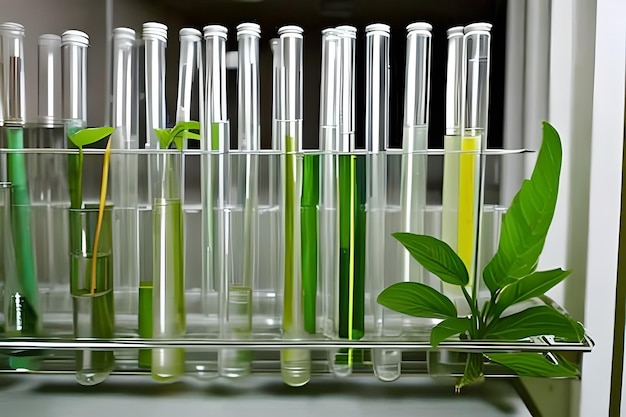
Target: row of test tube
{"points": [[344, 188]]}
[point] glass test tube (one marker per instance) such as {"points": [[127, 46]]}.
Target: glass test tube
{"points": [[168, 253], [47, 172], [74, 45], [414, 143], [275, 264], [237, 323], [215, 196], [295, 363], [452, 147], [328, 214], [476, 54], [23, 301], [154, 35], [351, 208], [124, 173], [377, 75], [93, 312]]}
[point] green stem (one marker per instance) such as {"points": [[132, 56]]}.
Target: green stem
{"points": [[22, 238], [475, 313]]}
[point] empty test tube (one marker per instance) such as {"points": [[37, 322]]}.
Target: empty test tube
{"points": [[386, 362]]}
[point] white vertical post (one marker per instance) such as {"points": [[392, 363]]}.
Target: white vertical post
{"points": [[512, 172], [607, 137], [536, 74]]}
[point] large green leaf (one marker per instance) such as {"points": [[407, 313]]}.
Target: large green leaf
{"points": [[418, 300], [90, 135], [526, 223], [436, 256], [474, 371], [536, 364], [535, 321], [448, 328], [528, 287], [182, 130]]}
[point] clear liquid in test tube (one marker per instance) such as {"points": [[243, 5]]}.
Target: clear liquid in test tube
{"points": [[414, 144]]}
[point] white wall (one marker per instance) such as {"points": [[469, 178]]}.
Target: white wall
{"points": [[607, 137]]}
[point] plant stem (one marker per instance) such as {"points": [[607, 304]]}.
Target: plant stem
{"points": [[471, 301], [103, 197]]}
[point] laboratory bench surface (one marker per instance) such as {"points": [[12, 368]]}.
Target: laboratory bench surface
{"points": [[60, 395]]}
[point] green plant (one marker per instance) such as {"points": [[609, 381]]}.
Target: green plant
{"points": [[511, 277], [80, 139], [182, 130]]}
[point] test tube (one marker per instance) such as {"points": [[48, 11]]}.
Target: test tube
{"points": [[475, 106], [22, 299], [47, 171], [377, 75], [414, 143], [452, 148], [124, 172], [168, 310], [239, 295], [74, 45], [351, 207], [49, 86], [154, 35], [217, 189], [215, 141], [329, 145], [275, 47], [295, 363], [274, 261]]}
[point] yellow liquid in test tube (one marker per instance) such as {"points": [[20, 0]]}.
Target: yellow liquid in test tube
{"points": [[469, 160]]}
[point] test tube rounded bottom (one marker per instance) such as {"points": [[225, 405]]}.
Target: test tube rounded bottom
{"points": [[387, 364], [93, 367], [91, 320], [168, 364], [341, 363], [295, 366], [235, 363]]}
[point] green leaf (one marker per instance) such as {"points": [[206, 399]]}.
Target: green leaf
{"points": [[90, 135], [164, 137], [528, 287], [188, 135], [536, 364], [181, 131], [474, 371], [418, 300], [535, 321], [448, 328], [436, 256], [526, 222]]}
